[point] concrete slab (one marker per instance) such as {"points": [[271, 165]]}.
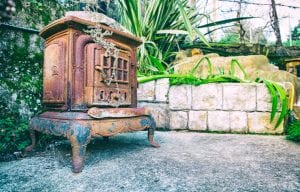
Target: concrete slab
{"points": [[186, 161]]}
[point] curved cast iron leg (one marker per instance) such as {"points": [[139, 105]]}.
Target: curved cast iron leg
{"points": [[79, 137], [33, 140], [151, 133]]}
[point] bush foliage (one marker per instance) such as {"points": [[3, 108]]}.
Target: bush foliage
{"points": [[293, 131], [20, 87], [21, 60]]}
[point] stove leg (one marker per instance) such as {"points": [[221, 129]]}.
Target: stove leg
{"points": [[33, 140], [151, 133], [79, 137]]}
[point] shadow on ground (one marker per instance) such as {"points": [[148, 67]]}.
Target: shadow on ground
{"points": [[185, 162]]}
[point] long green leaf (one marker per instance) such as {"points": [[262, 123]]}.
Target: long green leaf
{"points": [[236, 62], [173, 32], [284, 103], [222, 22], [210, 66], [274, 97], [202, 37], [157, 64], [186, 22]]}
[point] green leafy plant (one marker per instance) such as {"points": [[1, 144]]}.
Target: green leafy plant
{"points": [[36, 13], [293, 131], [277, 94], [13, 134], [191, 78], [235, 62], [159, 24], [230, 38], [20, 88]]}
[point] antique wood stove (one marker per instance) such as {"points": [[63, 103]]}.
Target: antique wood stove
{"points": [[79, 101]]}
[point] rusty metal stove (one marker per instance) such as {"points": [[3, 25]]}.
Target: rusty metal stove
{"points": [[78, 101]]}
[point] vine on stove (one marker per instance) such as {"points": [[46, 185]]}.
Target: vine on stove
{"points": [[99, 36]]}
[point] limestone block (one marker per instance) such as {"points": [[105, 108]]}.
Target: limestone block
{"points": [[160, 113], [146, 91], [198, 120], [238, 121], [180, 97], [218, 121], [207, 97], [161, 90], [239, 97], [259, 122], [178, 119], [264, 100]]}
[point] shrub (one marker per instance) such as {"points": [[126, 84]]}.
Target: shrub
{"points": [[20, 88], [21, 60], [293, 131]]}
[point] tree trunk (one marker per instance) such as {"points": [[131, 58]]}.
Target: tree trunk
{"points": [[242, 31], [275, 23]]}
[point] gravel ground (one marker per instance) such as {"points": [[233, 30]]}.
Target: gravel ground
{"points": [[185, 162]]}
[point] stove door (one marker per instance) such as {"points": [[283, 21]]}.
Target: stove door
{"points": [[54, 93], [107, 81]]}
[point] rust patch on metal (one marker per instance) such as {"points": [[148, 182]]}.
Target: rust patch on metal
{"points": [[99, 113]]}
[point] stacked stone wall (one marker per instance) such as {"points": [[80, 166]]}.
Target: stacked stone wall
{"points": [[224, 107]]}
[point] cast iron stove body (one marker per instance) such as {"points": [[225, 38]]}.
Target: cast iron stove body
{"points": [[79, 101]]}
